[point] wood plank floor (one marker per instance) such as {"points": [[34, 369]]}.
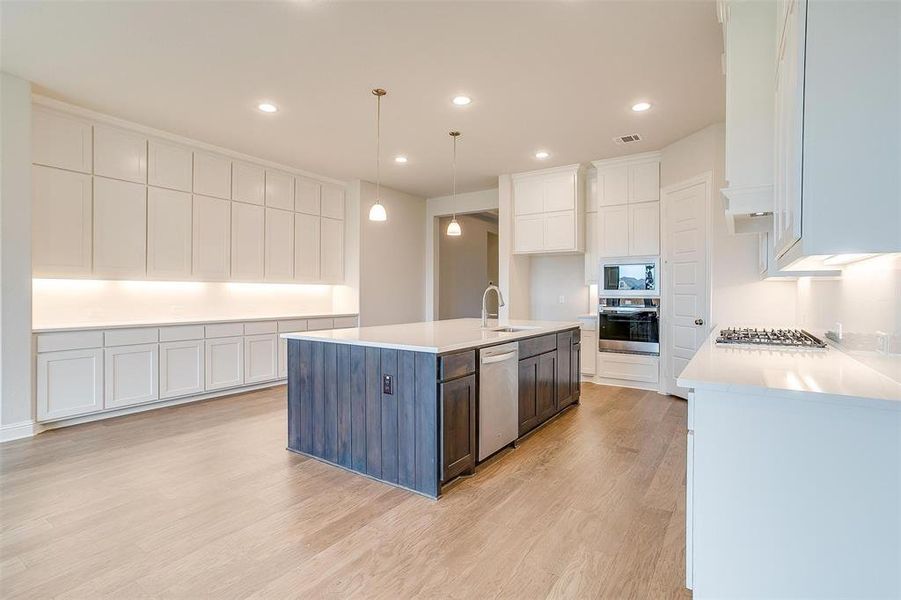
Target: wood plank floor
{"points": [[203, 501]]}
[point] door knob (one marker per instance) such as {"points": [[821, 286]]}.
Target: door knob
{"points": [[699, 321]]}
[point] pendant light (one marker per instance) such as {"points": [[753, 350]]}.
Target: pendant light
{"points": [[377, 210], [453, 228]]}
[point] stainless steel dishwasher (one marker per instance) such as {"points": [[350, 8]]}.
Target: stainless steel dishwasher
{"points": [[498, 397]]}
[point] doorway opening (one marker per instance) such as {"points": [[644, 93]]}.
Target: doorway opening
{"points": [[467, 264]]}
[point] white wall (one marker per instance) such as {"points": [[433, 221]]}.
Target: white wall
{"points": [[556, 276], [463, 267], [392, 258], [15, 257]]}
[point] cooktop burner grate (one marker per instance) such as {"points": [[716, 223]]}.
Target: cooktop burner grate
{"points": [[769, 337]]}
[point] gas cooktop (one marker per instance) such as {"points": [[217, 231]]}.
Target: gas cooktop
{"points": [[769, 337]]}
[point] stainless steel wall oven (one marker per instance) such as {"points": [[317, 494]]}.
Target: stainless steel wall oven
{"points": [[629, 325]]}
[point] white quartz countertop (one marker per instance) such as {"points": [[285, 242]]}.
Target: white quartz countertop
{"points": [[434, 336], [780, 371], [47, 326]]}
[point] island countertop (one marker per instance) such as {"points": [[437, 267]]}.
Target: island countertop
{"points": [[435, 336]]}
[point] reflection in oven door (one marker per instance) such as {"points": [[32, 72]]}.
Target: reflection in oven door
{"points": [[629, 330]]}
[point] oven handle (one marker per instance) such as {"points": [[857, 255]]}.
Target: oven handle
{"points": [[626, 311]]}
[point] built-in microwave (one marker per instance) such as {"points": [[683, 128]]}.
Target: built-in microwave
{"points": [[631, 277]]}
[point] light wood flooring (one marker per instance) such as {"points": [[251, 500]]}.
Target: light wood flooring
{"points": [[203, 501]]}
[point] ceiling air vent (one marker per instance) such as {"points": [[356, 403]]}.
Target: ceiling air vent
{"points": [[627, 139]]}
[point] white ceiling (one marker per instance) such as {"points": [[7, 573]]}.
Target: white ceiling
{"points": [[559, 76]]}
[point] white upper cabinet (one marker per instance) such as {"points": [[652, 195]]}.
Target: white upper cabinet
{"points": [[307, 196], [613, 231], [591, 248], [211, 238], [644, 182], [120, 228], [332, 249], [168, 234], [120, 154], [548, 211], [248, 183], [169, 165], [279, 245], [62, 222], [628, 230], [62, 141], [279, 190], [212, 175], [333, 203], [613, 185], [629, 179], [306, 247], [248, 248], [644, 229]]}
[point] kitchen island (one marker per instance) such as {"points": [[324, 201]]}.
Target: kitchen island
{"points": [[399, 403]]}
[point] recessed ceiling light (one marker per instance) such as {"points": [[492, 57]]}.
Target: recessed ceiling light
{"points": [[541, 155], [400, 159], [641, 106], [268, 107], [462, 100]]}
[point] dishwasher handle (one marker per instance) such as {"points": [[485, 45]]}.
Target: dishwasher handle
{"points": [[496, 358]]}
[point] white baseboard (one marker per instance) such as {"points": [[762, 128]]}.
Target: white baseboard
{"points": [[17, 431]]}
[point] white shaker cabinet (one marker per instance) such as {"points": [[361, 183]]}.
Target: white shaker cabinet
{"points": [[120, 154], [307, 196], [131, 374], [306, 247], [591, 248], [260, 358], [332, 202], [332, 250], [223, 363], [62, 141], [211, 235], [120, 228], [169, 166], [548, 211], [279, 257], [613, 231], [248, 183], [279, 190], [644, 182], [528, 233], [212, 175], [69, 383], [62, 222], [628, 217], [628, 180], [247, 242], [181, 368], [559, 231], [168, 234], [644, 229]]}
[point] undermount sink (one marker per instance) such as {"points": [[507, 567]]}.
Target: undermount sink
{"points": [[512, 329]]}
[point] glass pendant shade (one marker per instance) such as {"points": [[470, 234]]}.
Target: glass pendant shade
{"points": [[453, 228], [377, 213]]}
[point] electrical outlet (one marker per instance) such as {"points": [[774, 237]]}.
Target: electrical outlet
{"points": [[387, 384], [561, 299]]}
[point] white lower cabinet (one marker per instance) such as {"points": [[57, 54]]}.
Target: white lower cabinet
{"points": [[589, 354], [628, 367], [282, 358], [69, 383], [131, 375], [260, 358], [181, 368], [223, 363]]}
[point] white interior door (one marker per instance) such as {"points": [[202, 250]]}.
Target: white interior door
{"points": [[686, 297]]}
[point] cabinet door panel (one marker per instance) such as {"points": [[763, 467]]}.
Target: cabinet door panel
{"points": [[169, 166], [223, 363], [564, 368], [528, 233], [644, 229], [332, 205], [307, 196], [306, 248], [591, 250], [459, 427], [120, 154], [280, 190], [181, 368], [613, 186], [69, 383], [332, 248], [279, 245], [589, 351], [61, 141], [211, 232], [559, 192], [613, 231], [248, 183], [248, 224], [120, 228], [168, 233], [132, 375], [260, 358], [528, 196], [644, 182], [282, 358], [528, 394], [560, 231], [212, 175], [62, 222], [546, 388]]}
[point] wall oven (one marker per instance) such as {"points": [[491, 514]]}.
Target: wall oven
{"points": [[630, 277], [629, 325]]}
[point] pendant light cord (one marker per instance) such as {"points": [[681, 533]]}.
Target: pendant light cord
{"points": [[455, 178], [378, 148]]}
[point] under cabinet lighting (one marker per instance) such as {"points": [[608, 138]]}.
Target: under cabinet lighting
{"points": [[268, 107]]}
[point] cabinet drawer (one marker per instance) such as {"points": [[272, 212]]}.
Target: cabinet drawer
{"points": [[260, 327], [128, 337], [345, 322], [537, 345], [456, 365], [319, 324], [630, 367], [220, 330], [69, 340], [181, 332], [292, 325]]}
